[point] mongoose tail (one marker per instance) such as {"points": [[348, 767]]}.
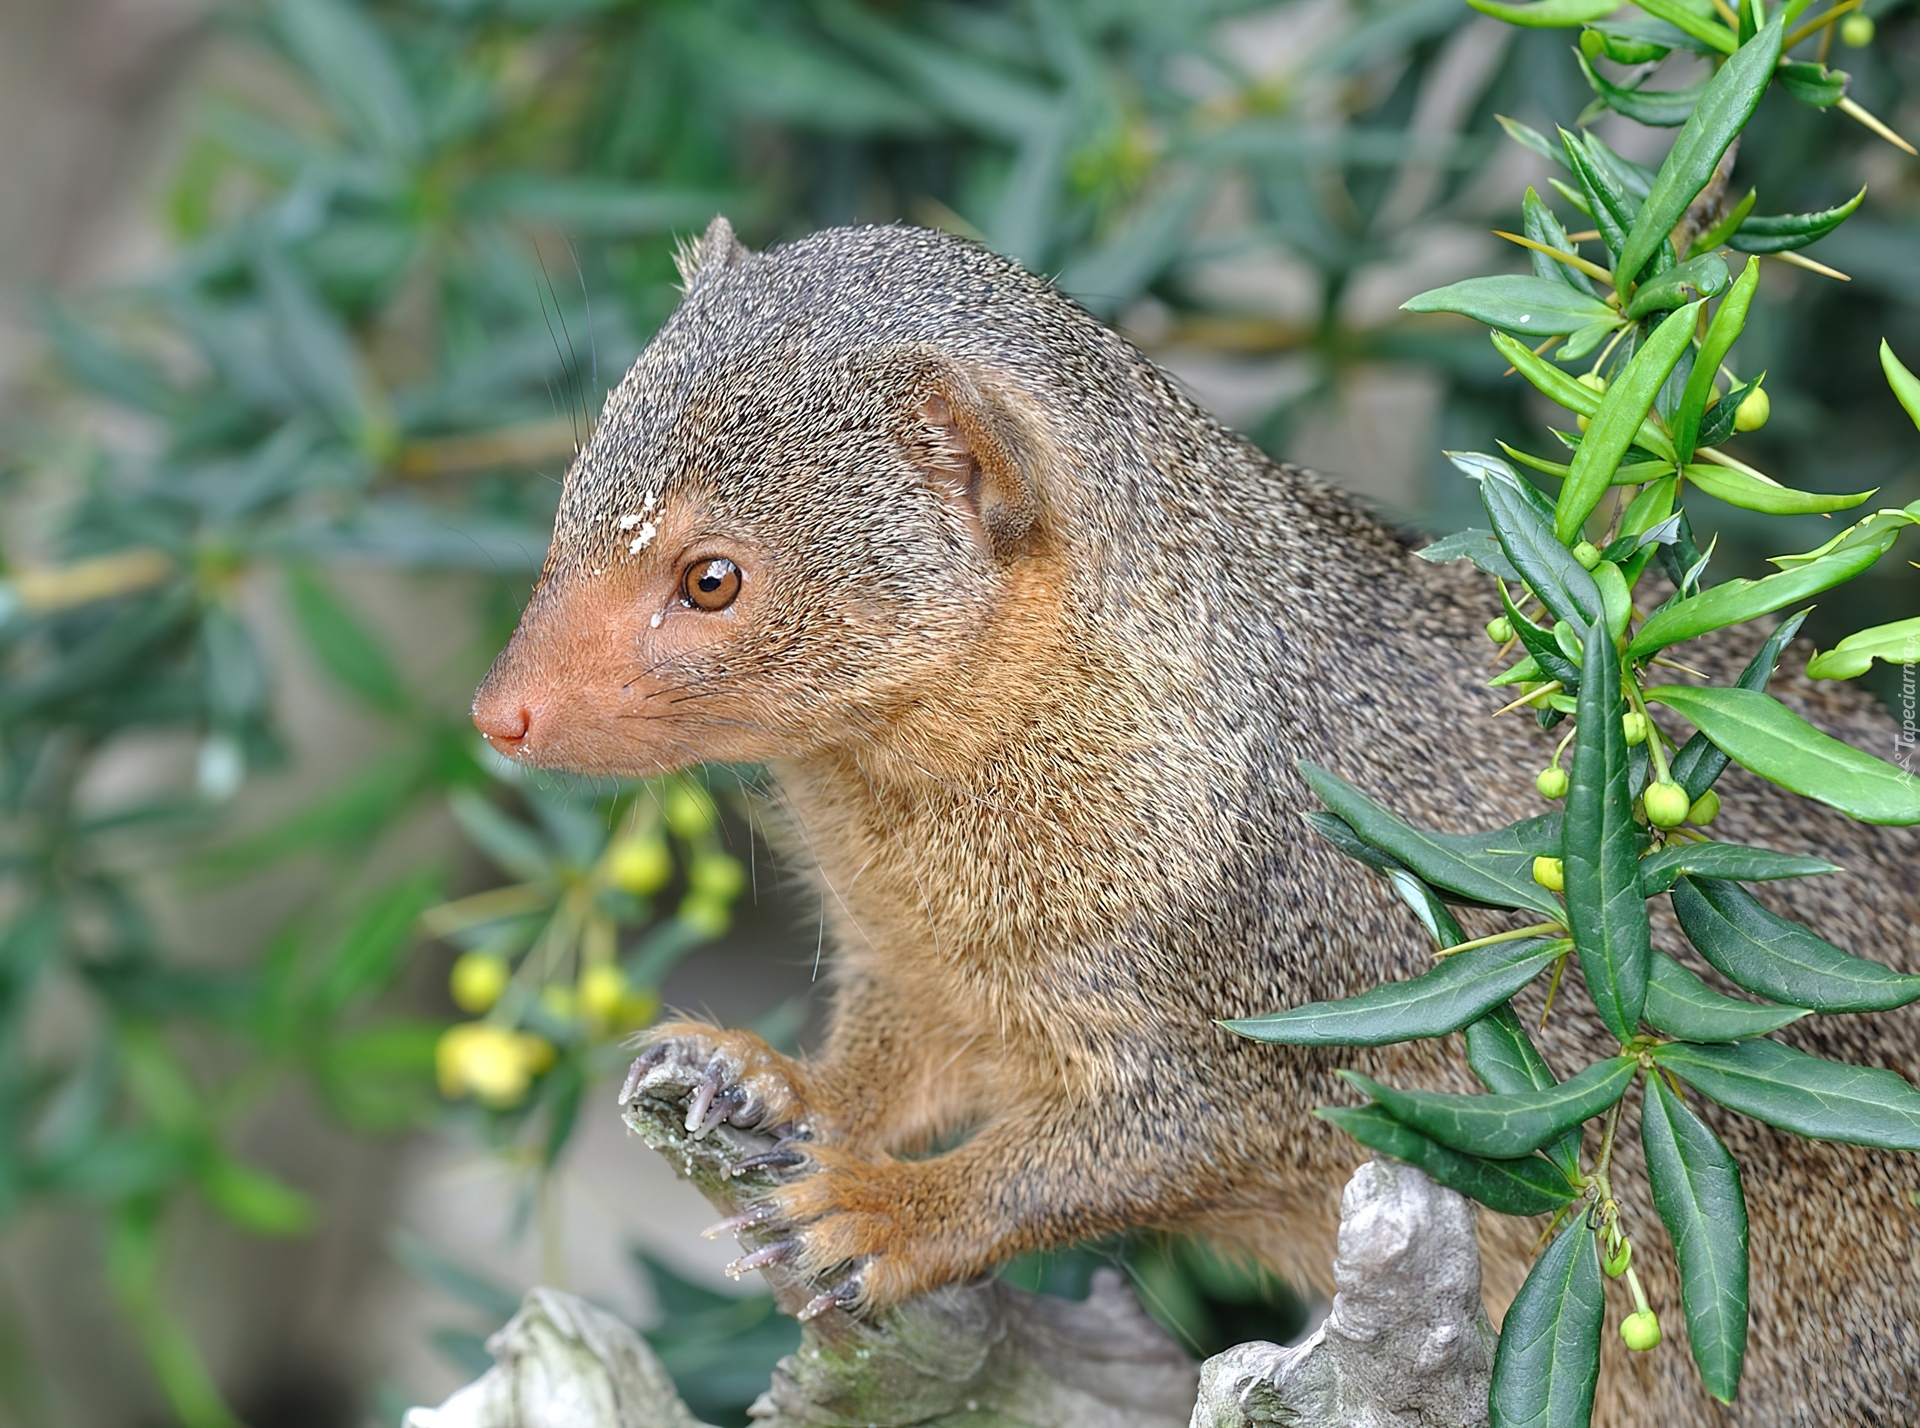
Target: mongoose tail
{"points": [[1031, 644]]}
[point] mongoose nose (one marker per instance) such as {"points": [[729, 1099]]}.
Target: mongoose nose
{"points": [[502, 722]]}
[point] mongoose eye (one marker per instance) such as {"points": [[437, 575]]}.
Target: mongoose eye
{"points": [[711, 584]]}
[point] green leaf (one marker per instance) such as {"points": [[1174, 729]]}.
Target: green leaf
{"points": [[1690, 22], [1727, 861], [1529, 137], [1506, 1060], [1548, 14], [1705, 276], [253, 1199], [349, 57], [368, 957], [1617, 422], [1696, 1190], [1717, 425], [1812, 84], [1539, 224], [1897, 643], [1876, 533], [1448, 862], [1775, 957], [1739, 488], [1569, 393], [1699, 762], [1759, 733], [1548, 567], [1732, 96], [1479, 546], [1727, 322], [1518, 302], [1509, 1125], [1336, 832], [1606, 911], [1458, 991], [1606, 199], [1549, 1356], [1822, 1100], [1906, 386], [1662, 108], [580, 204], [1428, 907], [345, 648], [1680, 1005], [1734, 601], [1526, 1186], [1784, 232]]}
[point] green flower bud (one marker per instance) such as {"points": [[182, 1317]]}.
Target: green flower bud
{"points": [[1753, 411], [1634, 726], [1666, 804], [477, 980], [1856, 31], [1552, 783], [1615, 1264], [1594, 382], [1641, 1330], [1593, 44], [1705, 808], [1499, 629], [1550, 873], [1587, 553]]}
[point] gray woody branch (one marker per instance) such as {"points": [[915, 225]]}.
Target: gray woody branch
{"points": [[1406, 1341]]}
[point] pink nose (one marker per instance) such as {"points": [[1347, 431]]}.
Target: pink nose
{"points": [[502, 721]]}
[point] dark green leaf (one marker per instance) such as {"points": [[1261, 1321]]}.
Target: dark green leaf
{"points": [[1723, 860], [349, 57], [1569, 393], [1681, 1005], [252, 1199], [1699, 763], [1539, 224], [1519, 303], [1526, 1186], [1606, 198], [344, 646], [1606, 911], [1458, 991], [1479, 546], [1778, 958], [1734, 601], [1696, 1189], [1812, 84], [1661, 107], [1508, 1125], [1548, 14], [1896, 643], [1704, 276], [1822, 1100], [1784, 232], [1551, 661], [1760, 733], [1445, 862], [1732, 95], [368, 956], [1549, 1356], [1336, 832], [1739, 488], [1506, 1060], [1548, 567], [1427, 905]]}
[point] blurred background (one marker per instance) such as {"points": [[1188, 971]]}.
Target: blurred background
{"points": [[309, 1010]]}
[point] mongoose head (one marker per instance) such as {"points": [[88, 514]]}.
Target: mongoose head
{"points": [[816, 511]]}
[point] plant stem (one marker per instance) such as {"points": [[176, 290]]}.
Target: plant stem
{"points": [[1518, 932]]}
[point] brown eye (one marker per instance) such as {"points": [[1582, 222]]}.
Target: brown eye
{"points": [[710, 584]]}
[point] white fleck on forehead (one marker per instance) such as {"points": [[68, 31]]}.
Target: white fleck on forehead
{"points": [[643, 537]]}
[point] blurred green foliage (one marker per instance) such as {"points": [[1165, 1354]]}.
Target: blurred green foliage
{"points": [[415, 240]]}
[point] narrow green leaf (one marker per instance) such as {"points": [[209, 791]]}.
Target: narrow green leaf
{"points": [[1336, 832], [1696, 1190], [1562, 583], [1735, 601], [347, 54], [1526, 1186], [1812, 84], [1476, 545], [1727, 861], [1549, 1356], [1727, 322], [1784, 232], [1517, 302], [1606, 198], [369, 956], [1710, 32], [342, 644], [1506, 1060], [1776, 957], [1762, 734], [1541, 645], [1705, 276], [1897, 643], [1728, 225], [1822, 1100], [1548, 14], [1606, 911], [1563, 389], [1717, 426], [1449, 863], [1539, 224], [1663, 108], [1906, 386], [1616, 424], [1428, 906], [1510, 1125], [1680, 1005], [1699, 761], [1458, 991], [1737, 488], [1876, 533], [1732, 96], [253, 1199]]}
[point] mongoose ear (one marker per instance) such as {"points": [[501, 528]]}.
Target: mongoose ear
{"points": [[978, 452], [716, 251]]}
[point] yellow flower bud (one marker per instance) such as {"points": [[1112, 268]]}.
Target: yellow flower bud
{"points": [[1666, 804], [636, 1009], [601, 991], [558, 1002], [705, 915], [1499, 629], [1587, 553], [1641, 1330], [639, 865], [1634, 726], [1550, 873], [717, 875], [492, 1064], [1551, 783], [477, 980], [1856, 31], [1705, 808], [1753, 411], [689, 811]]}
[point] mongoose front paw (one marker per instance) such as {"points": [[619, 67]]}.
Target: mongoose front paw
{"points": [[721, 1076]]}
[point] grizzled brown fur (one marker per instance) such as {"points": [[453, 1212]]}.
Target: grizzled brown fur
{"points": [[1031, 645]]}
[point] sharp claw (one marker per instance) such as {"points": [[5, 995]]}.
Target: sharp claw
{"points": [[762, 1257], [816, 1306], [840, 1296], [697, 1104], [723, 1106], [748, 1218], [637, 1073], [771, 1160]]}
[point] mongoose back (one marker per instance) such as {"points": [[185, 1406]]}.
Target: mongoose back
{"points": [[1030, 645]]}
